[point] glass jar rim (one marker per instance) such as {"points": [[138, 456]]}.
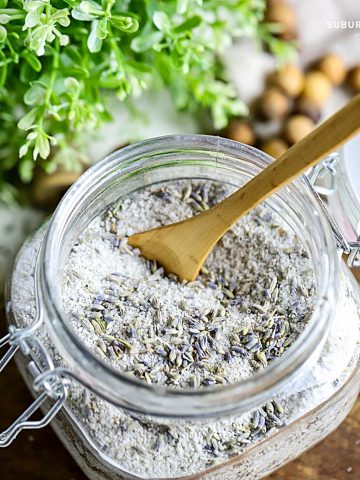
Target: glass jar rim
{"points": [[133, 394]]}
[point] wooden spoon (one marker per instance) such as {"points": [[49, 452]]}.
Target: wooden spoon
{"points": [[182, 247]]}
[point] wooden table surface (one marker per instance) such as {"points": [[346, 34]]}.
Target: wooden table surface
{"points": [[39, 455]]}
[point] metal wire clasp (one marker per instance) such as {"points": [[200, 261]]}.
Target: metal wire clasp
{"points": [[16, 338], [53, 387], [322, 169], [50, 382], [328, 166]]}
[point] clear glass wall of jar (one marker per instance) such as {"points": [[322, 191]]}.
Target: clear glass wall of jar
{"points": [[318, 386]]}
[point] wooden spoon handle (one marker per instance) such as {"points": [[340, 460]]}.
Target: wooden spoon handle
{"points": [[328, 136]]}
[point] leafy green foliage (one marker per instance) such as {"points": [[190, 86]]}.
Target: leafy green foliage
{"points": [[61, 61]]}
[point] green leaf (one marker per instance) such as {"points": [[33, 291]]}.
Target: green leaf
{"points": [[38, 39], [140, 67], [7, 193], [285, 52], [4, 19], [28, 120], [106, 116], [90, 7], [76, 72], [63, 18], [219, 115], [33, 17], [77, 14], [182, 6], [3, 34], [72, 84], [146, 42], [27, 74], [42, 83], [94, 43], [102, 28], [64, 40], [162, 21], [26, 170], [33, 61], [24, 150], [73, 53], [43, 145], [35, 95], [188, 25], [125, 24], [109, 82]]}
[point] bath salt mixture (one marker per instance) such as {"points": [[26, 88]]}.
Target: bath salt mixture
{"points": [[253, 298], [250, 302]]}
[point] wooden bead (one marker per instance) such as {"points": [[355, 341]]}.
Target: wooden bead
{"points": [[271, 3], [241, 131], [297, 127], [334, 68], [289, 36], [274, 147], [274, 104], [48, 189], [317, 87], [290, 79], [284, 15], [354, 79], [305, 107]]}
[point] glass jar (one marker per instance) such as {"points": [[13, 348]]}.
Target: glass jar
{"points": [[317, 378]]}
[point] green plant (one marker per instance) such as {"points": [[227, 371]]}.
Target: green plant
{"points": [[61, 61]]}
